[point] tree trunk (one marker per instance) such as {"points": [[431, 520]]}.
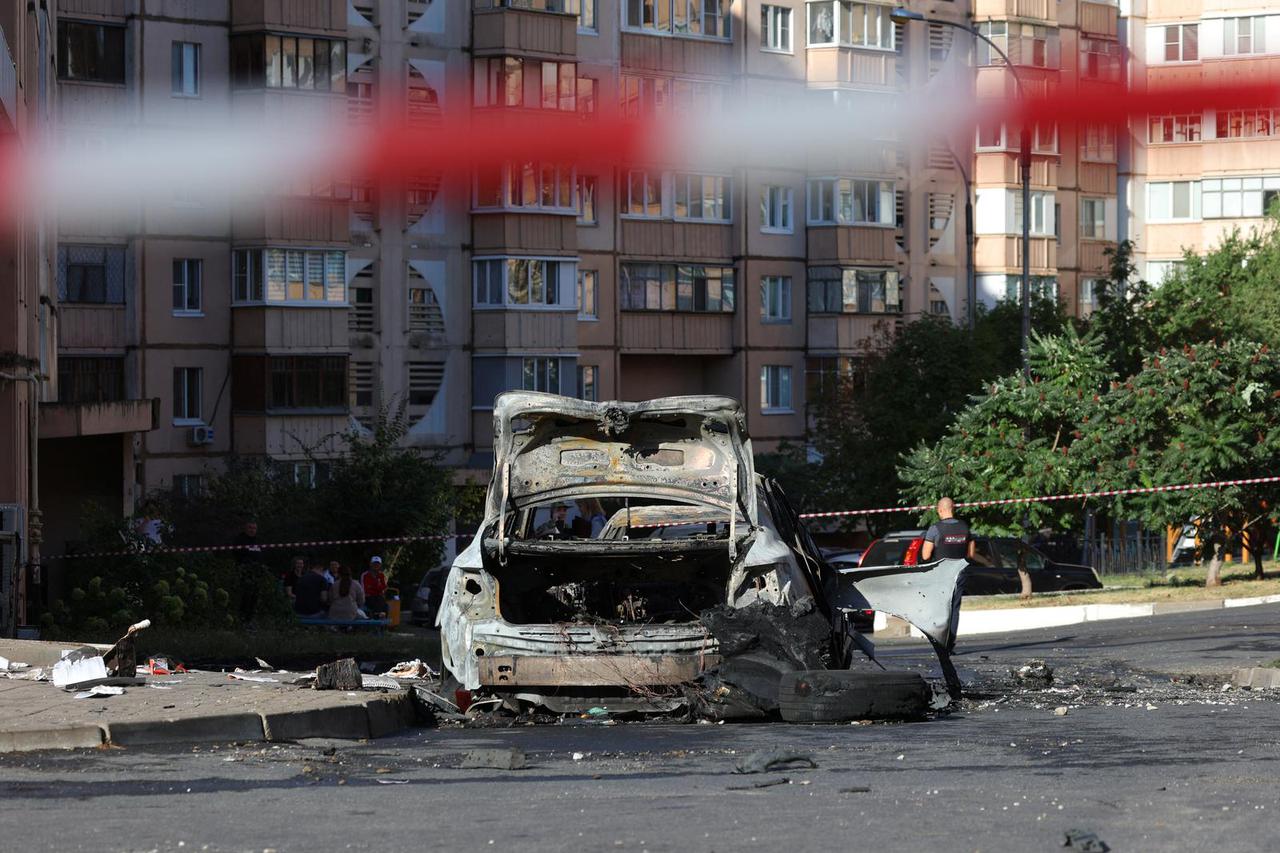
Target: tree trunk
{"points": [[1214, 576], [1256, 541], [1024, 576]]}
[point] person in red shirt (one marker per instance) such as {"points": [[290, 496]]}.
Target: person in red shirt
{"points": [[375, 589]]}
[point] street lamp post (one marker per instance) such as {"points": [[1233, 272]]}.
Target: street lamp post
{"points": [[901, 15]]}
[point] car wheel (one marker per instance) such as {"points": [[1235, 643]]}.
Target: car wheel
{"points": [[819, 696]]}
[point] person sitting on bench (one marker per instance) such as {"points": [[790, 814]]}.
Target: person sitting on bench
{"points": [[346, 598], [310, 593]]}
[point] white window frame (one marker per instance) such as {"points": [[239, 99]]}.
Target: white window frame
{"points": [[482, 267], [777, 33], [884, 193], [185, 71], [261, 287], [1041, 146], [183, 416], [842, 11], [721, 208], [588, 286], [777, 209], [543, 366], [1093, 218], [1157, 189], [1188, 126], [1042, 211], [775, 299], [667, 18], [1181, 29], [647, 182], [1102, 148], [587, 187], [777, 391], [589, 18], [182, 269], [507, 176], [588, 377], [1232, 197], [1233, 35]]}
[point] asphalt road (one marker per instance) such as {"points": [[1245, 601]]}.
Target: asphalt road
{"points": [[1145, 758]]}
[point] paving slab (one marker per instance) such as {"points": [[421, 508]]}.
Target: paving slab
{"points": [[197, 707]]}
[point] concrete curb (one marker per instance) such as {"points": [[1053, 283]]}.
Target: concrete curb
{"points": [[976, 622], [1257, 678], [73, 737], [376, 717]]}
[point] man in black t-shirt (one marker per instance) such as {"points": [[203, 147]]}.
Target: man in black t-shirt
{"points": [[948, 537], [309, 593]]}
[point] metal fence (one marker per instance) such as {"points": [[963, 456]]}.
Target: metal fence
{"points": [[1129, 552]]}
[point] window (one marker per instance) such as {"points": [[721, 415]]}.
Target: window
{"points": [[1026, 44], [1182, 43], [186, 69], [1099, 59], [541, 374], [187, 382], [775, 28], [644, 194], [1161, 129], [289, 276], [847, 290], [524, 282], [288, 62], [1042, 218], [1093, 218], [672, 287], [587, 199], [850, 24], [1158, 272], [1244, 35], [361, 383], [697, 18], [775, 299], [775, 388], [1041, 287], [187, 274], [91, 274], [1238, 198], [1044, 139], [702, 197], [587, 295], [826, 374], [559, 86], [645, 96], [775, 209], [991, 135], [90, 380], [587, 382], [1241, 124], [261, 383], [564, 7], [1090, 288], [425, 379], [542, 186], [587, 16], [498, 82], [851, 201], [1173, 201], [1098, 143], [90, 52], [425, 314], [188, 485]]}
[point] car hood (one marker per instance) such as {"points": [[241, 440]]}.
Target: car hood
{"points": [[685, 448]]}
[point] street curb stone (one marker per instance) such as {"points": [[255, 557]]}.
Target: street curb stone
{"points": [[77, 737], [348, 722], [1257, 678], [390, 714], [222, 727]]}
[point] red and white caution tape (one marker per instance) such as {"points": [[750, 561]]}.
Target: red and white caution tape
{"points": [[1184, 487], [207, 549]]}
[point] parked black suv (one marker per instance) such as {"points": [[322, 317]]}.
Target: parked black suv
{"points": [[994, 568]]}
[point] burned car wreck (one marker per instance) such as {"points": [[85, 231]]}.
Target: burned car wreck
{"points": [[631, 557]]}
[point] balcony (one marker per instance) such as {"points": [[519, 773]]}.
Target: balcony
{"points": [[833, 333], [1099, 19], [840, 244], [92, 327], [1001, 167], [524, 232], [278, 329], [525, 329], [1003, 252], [8, 88], [321, 17], [525, 31], [855, 66], [672, 55], [1000, 10], [289, 436], [312, 221], [70, 420], [659, 238], [673, 332]]}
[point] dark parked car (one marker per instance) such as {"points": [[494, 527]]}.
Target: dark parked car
{"points": [[426, 603], [994, 568]]}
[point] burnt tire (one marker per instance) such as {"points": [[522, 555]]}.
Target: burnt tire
{"points": [[828, 696]]}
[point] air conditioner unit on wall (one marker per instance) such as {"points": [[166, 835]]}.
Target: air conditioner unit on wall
{"points": [[200, 435]]}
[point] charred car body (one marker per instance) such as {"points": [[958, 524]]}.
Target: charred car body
{"points": [[612, 528]]}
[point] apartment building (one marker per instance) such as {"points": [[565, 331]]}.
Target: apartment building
{"points": [[1191, 179]]}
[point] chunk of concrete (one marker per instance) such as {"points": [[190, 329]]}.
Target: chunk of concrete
{"points": [[1257, 678]]}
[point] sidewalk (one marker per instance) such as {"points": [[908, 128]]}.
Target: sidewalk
{"points": [[187, 708], [1001, 620]]}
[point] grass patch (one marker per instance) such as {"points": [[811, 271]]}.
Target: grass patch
{"points": [[1184, 584]]}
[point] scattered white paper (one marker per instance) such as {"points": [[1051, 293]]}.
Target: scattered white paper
{"points": [[258, 678], [393, 781], [100, 690]]}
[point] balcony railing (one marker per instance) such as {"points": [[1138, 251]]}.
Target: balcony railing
{"points": [[8, 87]]}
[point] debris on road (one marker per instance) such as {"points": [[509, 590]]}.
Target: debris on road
{"points": [[763, 761], [410, 669], [1060, 711], [763, 783], [1033, 673], [260, 679], [8, 666], [494, 759], [339, 675], [122, 658], [1085, 842], [393, 781], [79, 665], [379, 682], [855, 789], [100, 690]]}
